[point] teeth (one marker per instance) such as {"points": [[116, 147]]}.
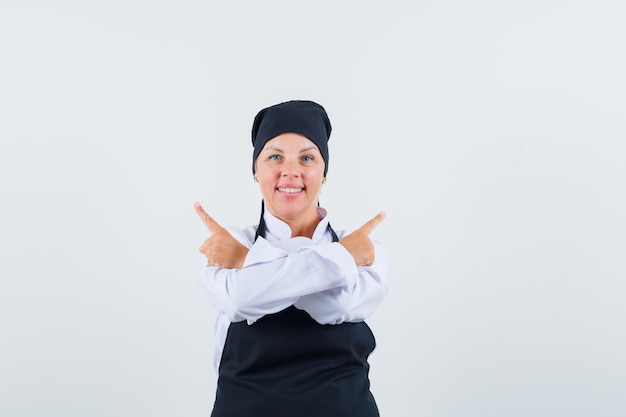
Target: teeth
{"points": [[289, 190]]}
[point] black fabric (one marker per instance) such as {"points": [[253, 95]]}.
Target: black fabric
{"points": [[287, 365], [297, 116]]}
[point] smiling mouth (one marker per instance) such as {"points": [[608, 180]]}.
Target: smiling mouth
{"points": [[290, 190]]}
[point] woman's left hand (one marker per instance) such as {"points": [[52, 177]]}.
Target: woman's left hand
{"points": [[359, 244], [221, 249]]}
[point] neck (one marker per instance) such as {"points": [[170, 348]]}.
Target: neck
{"points": [[305, 230]]}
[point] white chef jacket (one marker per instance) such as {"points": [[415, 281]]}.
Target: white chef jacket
{"points": [[316, 275]]}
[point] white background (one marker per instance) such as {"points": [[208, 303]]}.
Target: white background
{"points": [[492, 133]]}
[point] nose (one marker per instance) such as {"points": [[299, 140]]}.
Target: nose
{"points": [[291, 169]]}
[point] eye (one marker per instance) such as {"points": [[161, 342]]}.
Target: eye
{"points": [[274, 158], [307, 158]]}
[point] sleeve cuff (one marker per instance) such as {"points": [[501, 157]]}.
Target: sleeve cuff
{"points": [[262, 251], [337, 254]]}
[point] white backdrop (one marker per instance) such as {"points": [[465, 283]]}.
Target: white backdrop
{"points": [[492, 133]]}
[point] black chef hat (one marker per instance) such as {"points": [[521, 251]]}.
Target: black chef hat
{"points": [[297, 116]]}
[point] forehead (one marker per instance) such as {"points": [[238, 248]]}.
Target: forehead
{"points": [[291, 142]]}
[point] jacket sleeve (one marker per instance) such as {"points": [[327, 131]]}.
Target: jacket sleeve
{"points": [[321, 279], [274, 277], [359, 297]]}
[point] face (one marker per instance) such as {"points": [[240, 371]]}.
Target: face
{"points": [[290, 171]]}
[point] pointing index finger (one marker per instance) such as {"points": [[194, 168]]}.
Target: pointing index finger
{"points": [[371, 224], [206, 219]]}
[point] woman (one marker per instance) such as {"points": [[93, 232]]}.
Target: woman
{"points": [[291, 293]]}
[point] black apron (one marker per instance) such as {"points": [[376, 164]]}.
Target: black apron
{"points": [[287, 364]]}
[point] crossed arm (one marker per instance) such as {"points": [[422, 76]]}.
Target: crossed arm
{"points": [[333, 282]]}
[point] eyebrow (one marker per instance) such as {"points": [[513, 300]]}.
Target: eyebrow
{"points": [[307, 149]]}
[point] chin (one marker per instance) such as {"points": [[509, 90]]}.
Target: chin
{"points": [[290, 211]]}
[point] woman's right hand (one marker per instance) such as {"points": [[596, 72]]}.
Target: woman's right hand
{"points": [[358, 243], [221, 249]]}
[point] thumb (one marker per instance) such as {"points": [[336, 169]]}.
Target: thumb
{"points": [[208, 221], [371, 224]]}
